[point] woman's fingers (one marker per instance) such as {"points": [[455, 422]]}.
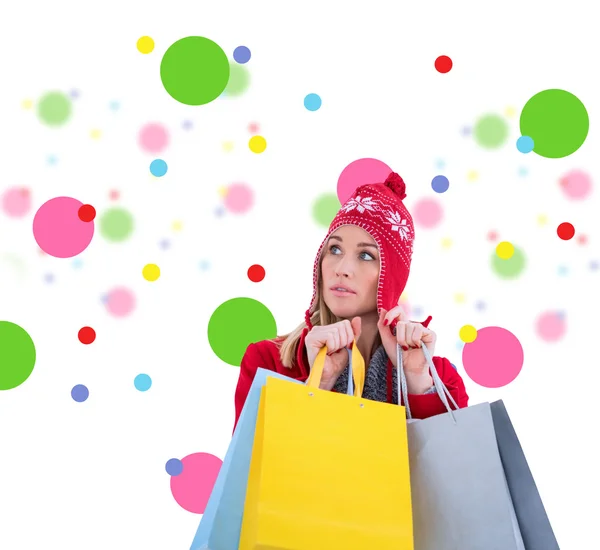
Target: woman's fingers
{"points": [[393, 314], [401, 334], [416, 336]]}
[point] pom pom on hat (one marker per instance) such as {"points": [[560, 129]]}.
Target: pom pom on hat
{"points": [[396, 184]]}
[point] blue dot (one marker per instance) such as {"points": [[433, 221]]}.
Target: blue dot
{"points": [[174, 467], [80, 393], [440, 184], [158, 168], [312, 102], [525, 144], [142, 382], [241, 54]]}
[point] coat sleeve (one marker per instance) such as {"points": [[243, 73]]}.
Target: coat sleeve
{"points": [[251, 361], [426, 405]]}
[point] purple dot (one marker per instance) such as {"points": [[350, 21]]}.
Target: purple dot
{"points": [[80, 393], [174, 467], [241, 54], [440, 184]]}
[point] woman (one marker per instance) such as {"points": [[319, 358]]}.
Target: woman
{"points": [[359, 274]]}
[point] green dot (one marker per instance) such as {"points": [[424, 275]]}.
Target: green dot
{"points": [[235, 325], [194, 70], [54, 108], [490, 131], [239, 80], [510, 268], [325, 208], [116, 224], [17, 355], [557, 121]]}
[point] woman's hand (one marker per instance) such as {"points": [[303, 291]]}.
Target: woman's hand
{"points": [[337, 337], [411, 336]]}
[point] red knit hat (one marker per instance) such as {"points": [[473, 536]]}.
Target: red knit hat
{"points": [[379, 210]]}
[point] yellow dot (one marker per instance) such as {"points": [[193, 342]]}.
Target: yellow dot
{"points": [[446, 242], [177, 225], [468, 334], [151, 272], [222, 191], [510, 112], [27, 104], [505, 250], [228, 146], [257, 144], [460, 298], [472, 175], [96, 134], [542, 219], [145, 44]]}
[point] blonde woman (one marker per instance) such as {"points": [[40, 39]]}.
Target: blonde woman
{"points": [[360, 271]]}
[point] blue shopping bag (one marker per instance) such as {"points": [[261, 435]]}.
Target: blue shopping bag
{"points": [[221, 522]]}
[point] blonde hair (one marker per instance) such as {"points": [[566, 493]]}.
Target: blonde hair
{"points": [[320, 315]]}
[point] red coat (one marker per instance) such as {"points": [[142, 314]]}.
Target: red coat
{"points": [[265, 354]]}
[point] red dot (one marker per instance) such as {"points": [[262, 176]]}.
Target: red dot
{"points": [[256, 273], [443, 64], [87, 213], [87, 335], [565, 231]]}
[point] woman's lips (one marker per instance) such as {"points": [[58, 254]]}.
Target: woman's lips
{"points": [[342, 293]]}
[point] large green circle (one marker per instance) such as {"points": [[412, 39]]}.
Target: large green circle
{"points": [[557, 121], [511, 268], [17, 355], [116, 224], [236, 324], [490, 131], [194, 70], [325, 208], [54, 108]]}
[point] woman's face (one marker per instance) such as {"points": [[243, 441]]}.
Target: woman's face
{"points": [[350, 260]]}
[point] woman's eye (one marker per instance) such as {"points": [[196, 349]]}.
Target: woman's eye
{"points": [[332, 247], [369, 256]]}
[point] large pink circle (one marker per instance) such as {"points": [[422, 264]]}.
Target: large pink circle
{"points": [[193, 486], [120, 302], [360, 172], [239, 198], [576, 184], [58, 230], [550, 326], [427, 213], [153, 138], [16, 202], [494, 359]]}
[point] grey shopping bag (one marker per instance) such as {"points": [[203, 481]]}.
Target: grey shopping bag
{"points": [[529, 509], [459, 491]]}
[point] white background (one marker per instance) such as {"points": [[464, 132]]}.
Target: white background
{"points": [[92, 475]]}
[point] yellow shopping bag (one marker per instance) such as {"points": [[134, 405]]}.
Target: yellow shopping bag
{"points": [[328, 471]]}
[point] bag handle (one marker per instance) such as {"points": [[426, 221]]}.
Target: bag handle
{"points": [[356, 370], [440, 387]]}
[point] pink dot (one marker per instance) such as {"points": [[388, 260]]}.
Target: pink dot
{"points": [[120, 302], [192, 487], [16, 202], [360, 172], [153, 138], [576, 184], [494, 359], [427, 213], [239, 198], [58, 230], [550, 326]]}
